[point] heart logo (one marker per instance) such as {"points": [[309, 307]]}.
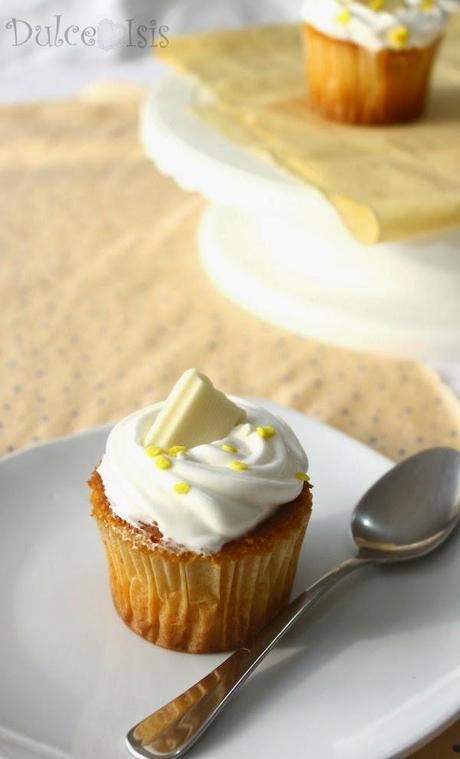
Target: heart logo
{"points": [[110, 35]]}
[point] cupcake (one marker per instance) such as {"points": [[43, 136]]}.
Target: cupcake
{"points": [[202, 504], [369, 61]]}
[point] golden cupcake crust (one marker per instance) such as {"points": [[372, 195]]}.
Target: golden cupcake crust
{"points": [[287, 518]]}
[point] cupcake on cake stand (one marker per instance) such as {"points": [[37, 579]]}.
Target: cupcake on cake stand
{"points": [[276, 247]]}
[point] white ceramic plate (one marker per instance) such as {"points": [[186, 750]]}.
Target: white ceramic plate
{"points": [[373, 670]]}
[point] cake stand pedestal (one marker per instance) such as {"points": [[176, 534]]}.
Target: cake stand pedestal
{"points": [[277, 248]]}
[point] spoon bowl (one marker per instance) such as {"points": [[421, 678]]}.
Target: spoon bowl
{"points": [[412, 509]]}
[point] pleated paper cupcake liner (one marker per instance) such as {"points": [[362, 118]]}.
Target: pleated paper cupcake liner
{"points": [[198, 603], [349, 83]]}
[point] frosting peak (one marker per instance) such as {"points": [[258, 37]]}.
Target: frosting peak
{"points": [[204, 496], [378, 24]]}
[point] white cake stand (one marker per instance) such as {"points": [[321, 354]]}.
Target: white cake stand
{"points": [[276, 247]]}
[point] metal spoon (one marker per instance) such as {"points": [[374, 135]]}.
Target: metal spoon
{"points": [[408, 513]]}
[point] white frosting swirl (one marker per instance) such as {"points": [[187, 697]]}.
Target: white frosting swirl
{"points": [[222, 504], [371, 28]]}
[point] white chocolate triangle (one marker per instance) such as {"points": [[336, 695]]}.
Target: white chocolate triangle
{"points": [[194, 413]]}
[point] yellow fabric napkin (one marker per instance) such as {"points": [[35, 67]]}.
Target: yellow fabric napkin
{"points": [[104, 302], [256, 79]]}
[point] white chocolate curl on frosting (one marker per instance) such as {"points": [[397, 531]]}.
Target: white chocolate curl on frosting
{"points": [[372, 24], [222, 503]]}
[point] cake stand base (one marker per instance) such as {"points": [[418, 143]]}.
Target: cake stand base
{"points": [[385, 301]]}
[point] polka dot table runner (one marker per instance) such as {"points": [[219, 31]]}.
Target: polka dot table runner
{"points": [[104, 303]]}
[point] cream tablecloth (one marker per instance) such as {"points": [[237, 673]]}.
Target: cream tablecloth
{"points": [[103, 303]]}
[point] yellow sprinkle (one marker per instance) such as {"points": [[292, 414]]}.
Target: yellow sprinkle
{"points": [[266, 431], [162, 462], [426, 5], [376, 5], [228, 448], [344, 16], [302, 476], [238, 466], [182, 488], [398, 36], [153, 450], [175, 449]]}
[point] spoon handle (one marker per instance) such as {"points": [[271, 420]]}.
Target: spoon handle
{"points": [[171, 730]]}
